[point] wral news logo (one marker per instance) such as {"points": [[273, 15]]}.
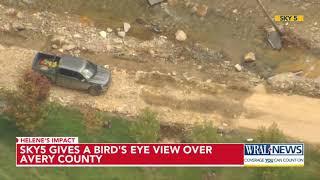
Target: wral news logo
{"points": [[274, 149], [274, 155]]}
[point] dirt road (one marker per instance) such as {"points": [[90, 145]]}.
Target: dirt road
{"points": [[181, 101], [297, 116]]}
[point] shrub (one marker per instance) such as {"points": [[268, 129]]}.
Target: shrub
{"points": [[272, 134], [27, 104], [202, 133], [34, 87], [146, 128]]}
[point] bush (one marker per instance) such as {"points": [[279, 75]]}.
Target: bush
{"points": [[27, 104], [272, 134], [146, 128], [203, 133], [34, 87]]}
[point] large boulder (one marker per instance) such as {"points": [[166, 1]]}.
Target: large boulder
{"points": [[202, 10], [103, 34], [249, 57], [181, 35], [126, 27]]}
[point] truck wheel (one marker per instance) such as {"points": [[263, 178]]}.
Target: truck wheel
{"points": [[94, 91]]}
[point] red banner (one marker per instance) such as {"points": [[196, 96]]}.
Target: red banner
{"points": [[32, 154]]}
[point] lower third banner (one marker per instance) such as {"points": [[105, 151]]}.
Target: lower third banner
{"points": [[29, 155], [67, 151]]}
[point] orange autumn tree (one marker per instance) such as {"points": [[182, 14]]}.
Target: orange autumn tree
{"points": [[27, 104]]}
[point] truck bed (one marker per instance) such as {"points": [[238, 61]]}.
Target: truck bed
{"points": [[45, 62]]}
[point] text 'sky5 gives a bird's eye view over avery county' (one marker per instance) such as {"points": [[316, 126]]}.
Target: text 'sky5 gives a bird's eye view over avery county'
{"points": [[160, 89]]}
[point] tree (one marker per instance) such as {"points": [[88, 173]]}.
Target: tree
{"points": [[146, 128], [27, 104], [272, 134], [203, 133]]}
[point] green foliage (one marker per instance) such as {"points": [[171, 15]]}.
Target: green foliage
{"points": [[203, 133], [27, 104], [146, 128], [272, 134], [63, 121]]}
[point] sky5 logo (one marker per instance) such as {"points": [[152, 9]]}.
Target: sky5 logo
{"points": [[274, 149]]}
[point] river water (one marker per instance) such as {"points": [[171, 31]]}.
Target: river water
{"points": [[229, 25]]}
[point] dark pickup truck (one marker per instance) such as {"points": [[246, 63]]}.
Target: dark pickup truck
{"points": [[73, 72]]}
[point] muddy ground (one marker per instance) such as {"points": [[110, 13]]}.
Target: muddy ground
{"points": [[185, 82]]}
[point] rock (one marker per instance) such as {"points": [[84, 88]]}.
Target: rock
{"points": [[58, 39], [188, 4], [172, 2], [68, 47], [209, 81], [174, 73], [235, 11], [202, 10], [181, 35], [121, 34], [226, 63], [154, 2], [18, 26], [27, 1], [109, 30], [250, 57], [191, 78], [77, 52], [77, 36], [199, 67], [54, 46], [249, 140], [126, 27], [20, 15], [156, 29], [5, 28], [238, 67], [11, 12], [60, 50], [103, 34], [106, 66], [163, 38], [152, 53], [194, 9], [225, 124]]}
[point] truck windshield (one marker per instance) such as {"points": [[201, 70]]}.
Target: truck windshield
{"points": [[89, 71]]}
